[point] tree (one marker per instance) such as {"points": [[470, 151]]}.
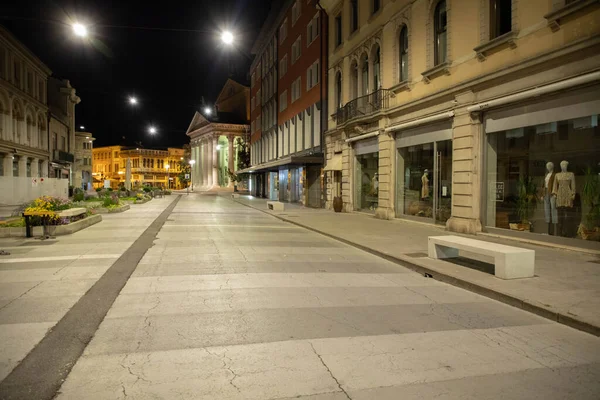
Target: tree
{"points": [[243, 156], [184, 166]]}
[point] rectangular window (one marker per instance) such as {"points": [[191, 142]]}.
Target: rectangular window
{"points": [[295, 11], [312, 30], [376, 5], [17, 73], [41, 94], [63, 143], [30, 83], [3, 64], [297, 49], [353, 15], [338, 30], [283, 31], [312, 76], [283, 66], [283, 101], [296, 89], [500, 17]]}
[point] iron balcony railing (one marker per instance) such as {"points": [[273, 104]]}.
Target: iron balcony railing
{"points": [[363, 106]]}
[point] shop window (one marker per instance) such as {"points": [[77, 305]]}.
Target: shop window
{"points": [[440, 22], [545, 178], [367, 182], [500, 17]]}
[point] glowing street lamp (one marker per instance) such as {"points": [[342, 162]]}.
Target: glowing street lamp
{"points": [[152, 130], [82, 127], [227, 37], [133, 100], [192, 162], [207, 110], [80, 30]]}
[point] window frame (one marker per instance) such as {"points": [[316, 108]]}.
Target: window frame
{"points": [[437, 33], [339, 30], [375, 6], [283, 31], [403, 49], [354, 16], [495, 17]]}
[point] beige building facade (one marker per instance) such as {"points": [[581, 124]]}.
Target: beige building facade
{"points": [[83, 168], [459, 112], [153, 167]]}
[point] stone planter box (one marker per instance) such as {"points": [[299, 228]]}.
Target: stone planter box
{"points": [[119, 209], [57, 230]]}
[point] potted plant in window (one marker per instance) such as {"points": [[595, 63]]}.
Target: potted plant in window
{"points": [[589, 229], [526, 203]]}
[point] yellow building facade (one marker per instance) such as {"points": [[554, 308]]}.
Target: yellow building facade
{"points": [[160, 168], [453, 112]]}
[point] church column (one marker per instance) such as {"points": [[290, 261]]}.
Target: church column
{"points": [[230, 158], [7, 164], [44, 171], [22, 166], [215, 161], [209, 162], [204, 163]]}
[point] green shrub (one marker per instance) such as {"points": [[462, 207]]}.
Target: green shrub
{"points": [[110, 189], [98, 190], [147, 189], [122, 189], [78, 197]]}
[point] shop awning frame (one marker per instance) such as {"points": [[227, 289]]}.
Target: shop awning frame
{"points": [[275, 164]]}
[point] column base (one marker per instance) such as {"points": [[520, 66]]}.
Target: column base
{"points": [[385, 213], [463, 225]]}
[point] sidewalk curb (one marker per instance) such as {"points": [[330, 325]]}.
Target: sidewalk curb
{"points": [[455, 281]]}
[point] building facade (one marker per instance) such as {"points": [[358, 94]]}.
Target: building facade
{"points": [[475, 114], [288, 104], [83, 168], [153, 167], [24, 153], [61, 103], [215, 137]]}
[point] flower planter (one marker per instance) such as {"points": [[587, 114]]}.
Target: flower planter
{"points": [[338, 204], [520, 227]]}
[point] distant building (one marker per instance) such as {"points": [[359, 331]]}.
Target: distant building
{"points": [[213, 137], [61, 103], [83, 168], [24, 152], [288, 104], [152, 167]]}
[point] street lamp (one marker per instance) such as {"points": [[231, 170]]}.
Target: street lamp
{"points": [[207, 110], [82, 127], [192, 162], [152, 130], [80, 30], [133, 100], [227, 37]]}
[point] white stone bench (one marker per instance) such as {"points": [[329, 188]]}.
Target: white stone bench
{"points": [[71, 212], [510, 262], [235, 195], [275, 205]]}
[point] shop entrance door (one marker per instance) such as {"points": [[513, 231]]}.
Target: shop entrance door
{"points": [[442, 183]]}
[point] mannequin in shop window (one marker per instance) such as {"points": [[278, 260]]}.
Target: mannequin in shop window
{"points": [[564, 190], [425, 185], [549, 199], [375, 185]]}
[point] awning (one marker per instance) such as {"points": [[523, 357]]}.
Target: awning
{"points": [[334, 164], [275, 164]]}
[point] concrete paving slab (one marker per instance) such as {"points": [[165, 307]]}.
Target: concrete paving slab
{"points": [[16, 340]]}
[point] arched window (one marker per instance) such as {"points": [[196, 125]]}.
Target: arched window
{"points": [[377, 69], [365, 76], [403, 54], [440, 22], [338, 89], [41, 129], [29, 128]]}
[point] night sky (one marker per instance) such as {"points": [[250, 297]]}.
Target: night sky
{"points": [[168, 71]]}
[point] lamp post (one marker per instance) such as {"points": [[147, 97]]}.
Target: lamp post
{"points": [[168, 180], [192, 162]]}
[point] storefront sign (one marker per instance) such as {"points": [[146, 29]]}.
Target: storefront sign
{"points": [[499, 191]]}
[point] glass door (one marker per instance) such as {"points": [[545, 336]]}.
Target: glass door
{"points": [[416, 181], [442, 184]]}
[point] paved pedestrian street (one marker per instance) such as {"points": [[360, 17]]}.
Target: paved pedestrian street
{"points": [[232, 303]]}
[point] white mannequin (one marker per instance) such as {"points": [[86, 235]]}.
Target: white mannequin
{"points": [[425, 185], [564, 193], [549, 199]]}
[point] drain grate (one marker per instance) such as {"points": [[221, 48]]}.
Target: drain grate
{"points": [[416, 255]]}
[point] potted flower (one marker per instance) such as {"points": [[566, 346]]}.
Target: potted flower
{"points": [[589, 229], [526, 203]]}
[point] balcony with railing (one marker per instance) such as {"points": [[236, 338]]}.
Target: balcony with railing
{"points": [[364, 106]]}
